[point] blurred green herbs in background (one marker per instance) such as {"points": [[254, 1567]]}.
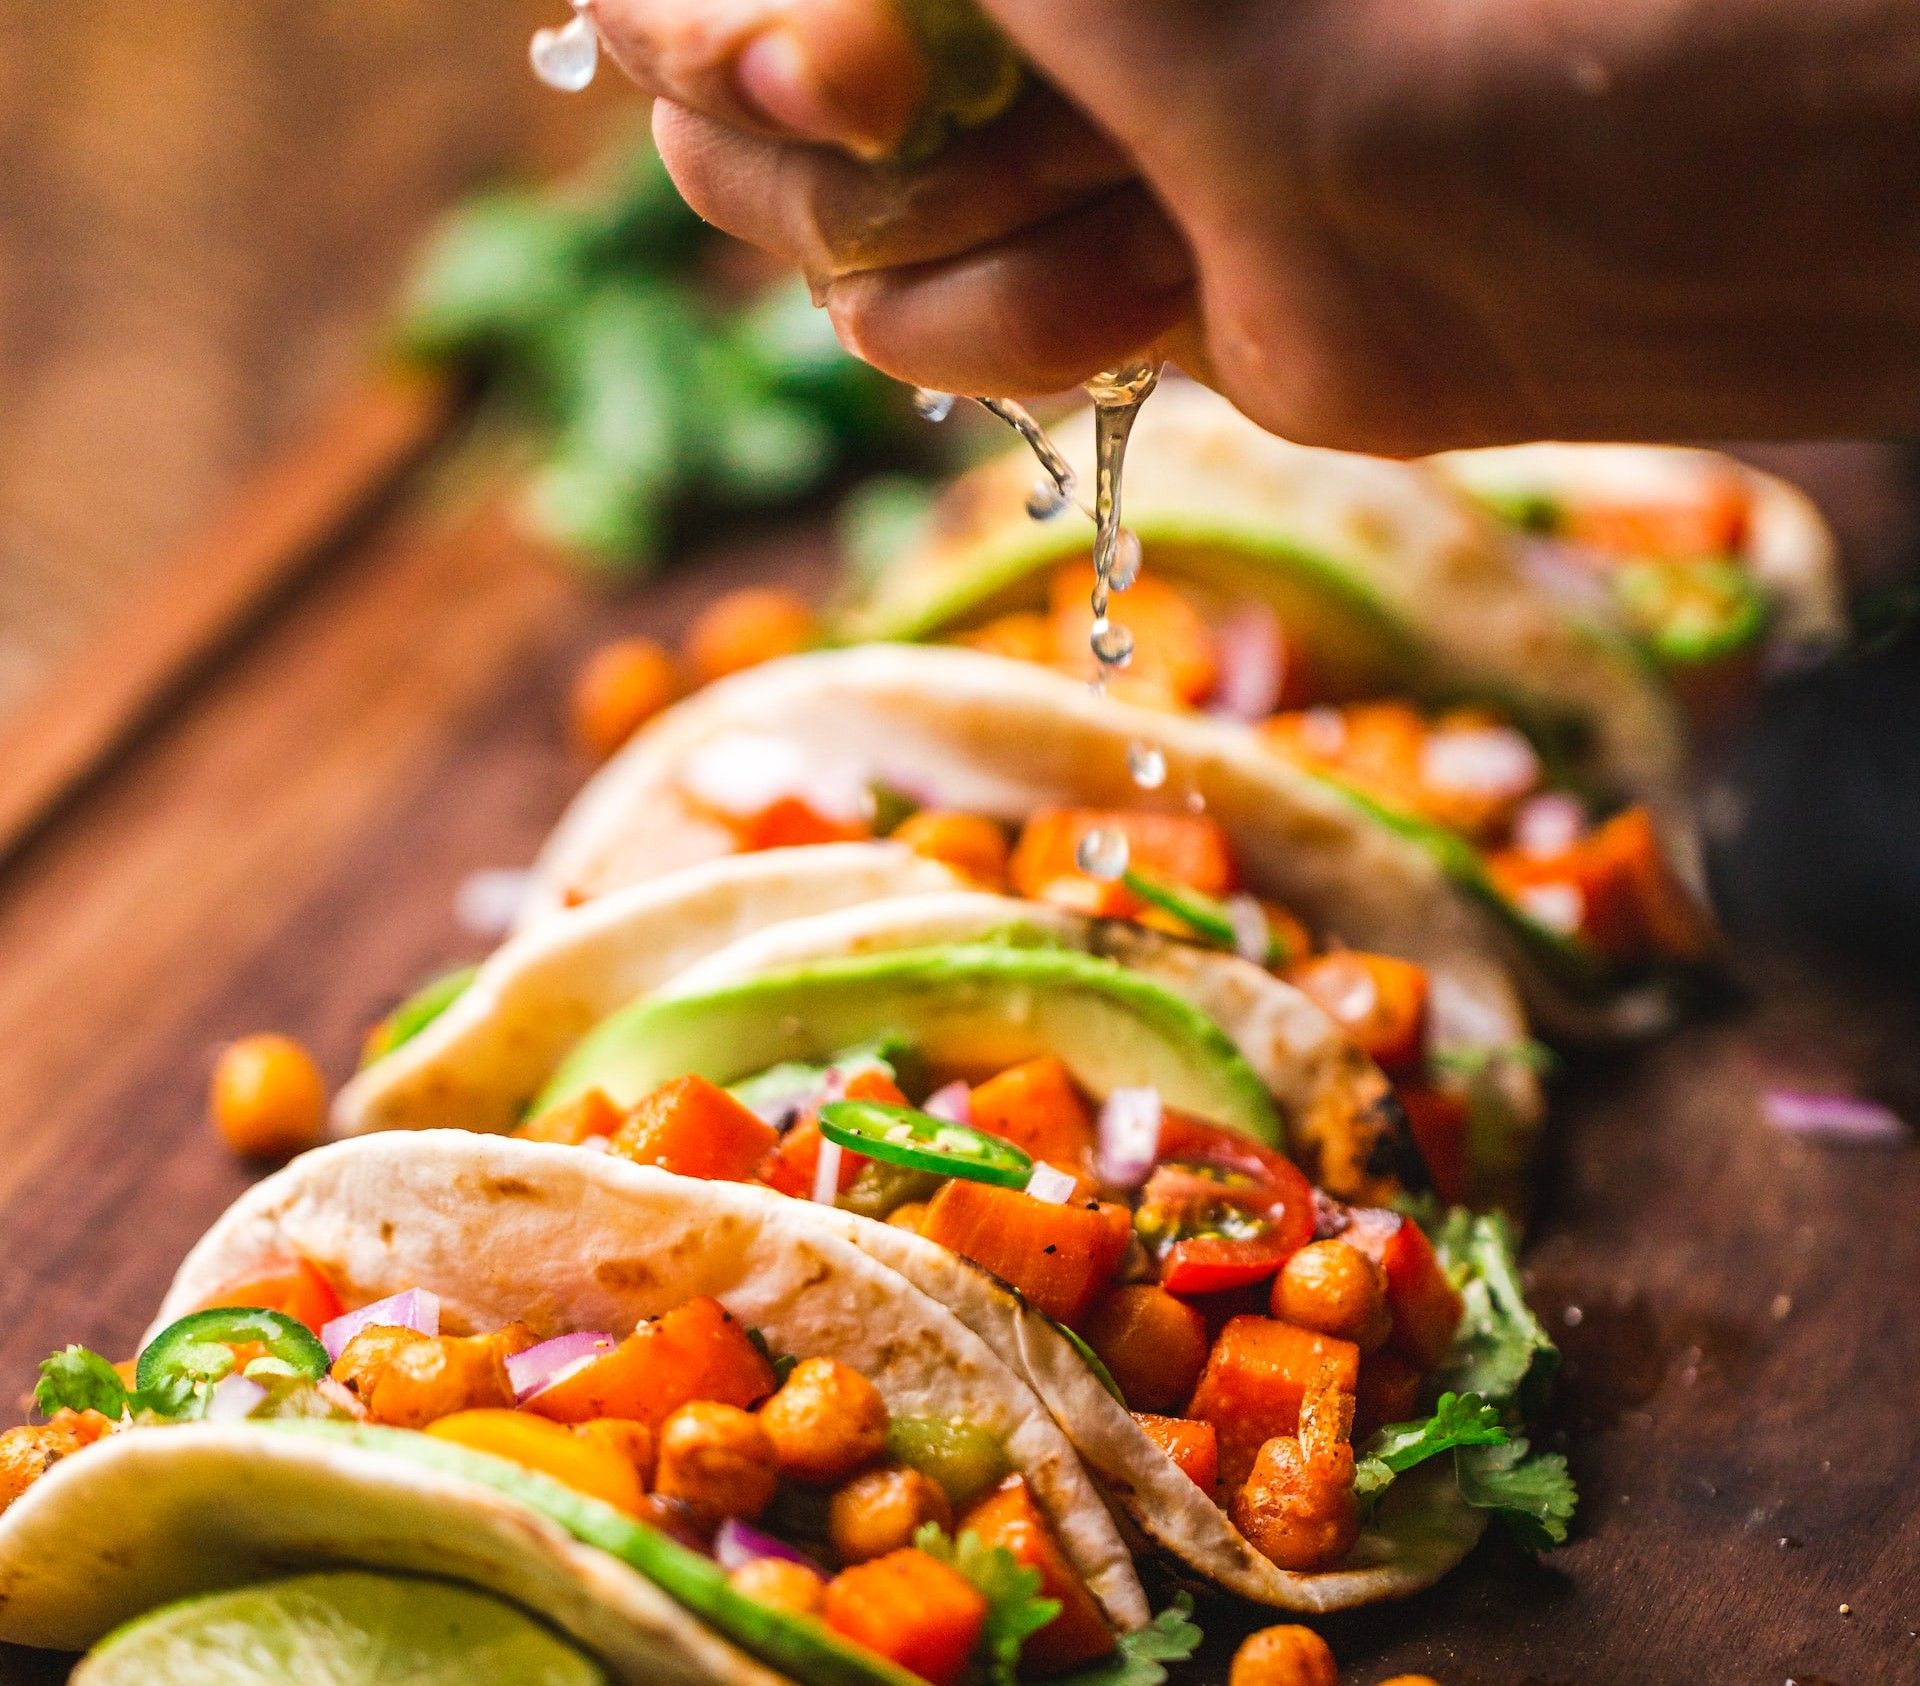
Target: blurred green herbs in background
{"points": [[599, 322]]}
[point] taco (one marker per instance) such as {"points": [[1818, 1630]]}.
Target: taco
{"points": [[1376, 629], [1089, 1181], [680, 1421], [1718, 571]]}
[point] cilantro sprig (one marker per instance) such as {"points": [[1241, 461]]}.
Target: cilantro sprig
{"points": [[1171, 1637], [76, 1379], [1531, 1492], [1501, 1352], [1457, 1420], [1015, 1609]]}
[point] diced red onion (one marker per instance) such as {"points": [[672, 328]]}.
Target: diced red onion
{"points": [[1128, 1142], [1488, 761], [745, 773], [1559, 907], [234, 1398], [1252, 653], [1832, 1117], [416, 1309], [1549, 823], [738, 1544], [488, 902], [826, 1173], [1345, 989], [953, 1102], [1252, 935], [541, 1366], [1051, 1184], [1570, 572]]}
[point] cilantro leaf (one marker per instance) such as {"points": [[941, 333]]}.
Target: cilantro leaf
{"points": [[1171, 1637], [75, 1379], [1531, 1492], [1014, 1608], [1501, 1351], [1457, 1420], [1526, 1053]]}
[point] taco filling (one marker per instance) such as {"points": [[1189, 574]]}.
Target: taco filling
{"points": [[887, 1546], [1273, 1343]]}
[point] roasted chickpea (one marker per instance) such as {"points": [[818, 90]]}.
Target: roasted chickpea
{"points": [[408, 1380], [717, 1460], [746, 627], [1334, 1289], [1298, 1508], [826, 1422], [621, 687], [268, 1098], [781, 1585], [881, 1511], [28, 1453], [1284, 1656], [631, 1440]]}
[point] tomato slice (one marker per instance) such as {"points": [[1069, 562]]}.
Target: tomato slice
{"points": [[1221, 1211]]}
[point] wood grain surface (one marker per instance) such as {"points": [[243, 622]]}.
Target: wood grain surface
{"points": [[1742, 1398]]}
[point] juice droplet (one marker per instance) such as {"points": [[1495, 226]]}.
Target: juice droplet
{"points": [[566, 58], [1045, 501], [1112, 643], [1148, 765], [1102, 853], [1126, 560], [932, 406]]}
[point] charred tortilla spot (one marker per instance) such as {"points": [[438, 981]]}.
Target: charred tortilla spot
{"points": [[511, 1188], [625, 1275]]}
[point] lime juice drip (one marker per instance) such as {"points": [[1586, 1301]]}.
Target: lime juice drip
{"points": [[566, 58]]}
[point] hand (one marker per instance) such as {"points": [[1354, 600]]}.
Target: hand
{"points": [[1372, 224]]}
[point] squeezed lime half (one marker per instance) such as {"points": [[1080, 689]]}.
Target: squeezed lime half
{"points": [[346, 1629]]}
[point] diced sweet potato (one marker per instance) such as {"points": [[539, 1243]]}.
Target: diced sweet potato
{"points": [[1379, 1001], [696, 1351], [1062, 1257], [911, 1609], [697, 1129], [1154, 1345], [577, 1122], [1036, 1106], [1193, 1445], [1008, 1517], [1189, 851], [1256, 1376]]}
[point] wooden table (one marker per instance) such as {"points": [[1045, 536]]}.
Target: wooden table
{"points": [[1742, 1397]]}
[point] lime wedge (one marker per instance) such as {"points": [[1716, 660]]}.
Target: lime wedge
{"points": [[345, 1629]]}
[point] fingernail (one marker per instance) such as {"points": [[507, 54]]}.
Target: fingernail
{"points": [[776, 80]]}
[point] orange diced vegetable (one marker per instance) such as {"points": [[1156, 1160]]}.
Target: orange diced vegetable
{"points": [[911, 1609], [622, 686], [268, 1098], [1380, 1002], [1713, 523], [1022, 637], [1061, 1257], [697, 1129], [790, 823], [1194, 1446], [1173, 653], [971, 844], [1426, 1308], [695, 1351], [1256, 1376], [1007, 1517], [590, 1466], [1036, 1106], [579, 1121], [746, 627], [1152, 1344], [1389, 1392], [1187, 850], [792, 1165], [301, 1293], [1438, 1119]]}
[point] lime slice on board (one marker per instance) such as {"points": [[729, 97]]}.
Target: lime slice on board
{"points": [[346, 1629]]}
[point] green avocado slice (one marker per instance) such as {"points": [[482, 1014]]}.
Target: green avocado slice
{"points": [[973, 1007], [801, 1649]]}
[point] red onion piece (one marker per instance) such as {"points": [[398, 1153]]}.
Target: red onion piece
{"points": [[1559, 907], [234, 1398], [1832, 1117], [1129, 1137], [1051, 1184], [953, 1102], [1252, 934], [826, 1174], [738, 1544], [1252, 652], [416, 1309], [1495, 762], [539, 1367], [1549, 824]]}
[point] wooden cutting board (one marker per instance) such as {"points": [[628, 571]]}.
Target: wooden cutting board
{"points": [[279, 846]]}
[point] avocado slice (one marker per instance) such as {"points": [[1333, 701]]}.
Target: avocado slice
{"points": [[801, 1649], [976, 1007]]}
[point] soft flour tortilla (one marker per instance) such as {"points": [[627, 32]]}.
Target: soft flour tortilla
{"points": [[957, 729], [1790, 548], [1402, 583], [563, 1240], [153, 1515], [478, 1064]]}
